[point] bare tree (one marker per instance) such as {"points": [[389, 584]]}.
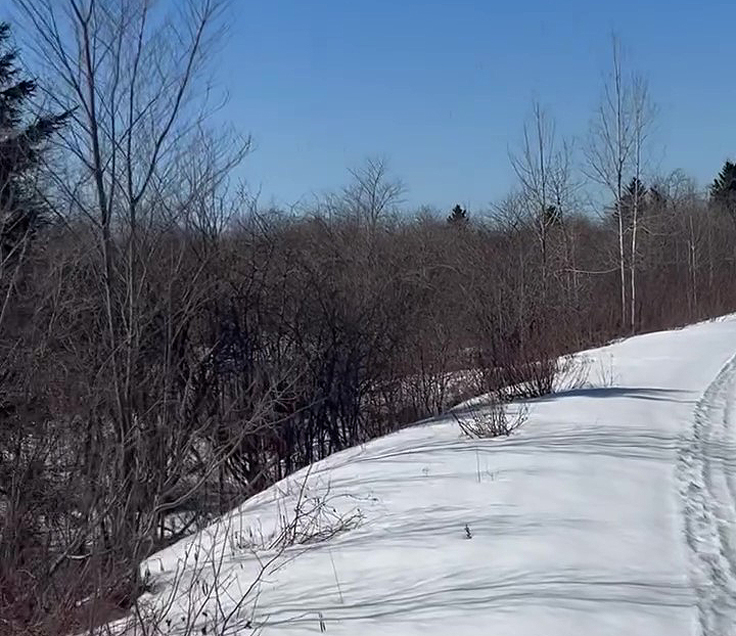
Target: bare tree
{"points": [[611, 147], [643, 113], [543, 168], [141, 167], [373, 193], [532, 167]]}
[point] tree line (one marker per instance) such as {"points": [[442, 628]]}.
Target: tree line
{"points": [[169, 347]]}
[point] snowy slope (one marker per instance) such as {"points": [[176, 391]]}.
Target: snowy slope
{"points": [[611, 511]]}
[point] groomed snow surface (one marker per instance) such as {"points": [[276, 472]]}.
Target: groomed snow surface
{"points": [[611, 511]]}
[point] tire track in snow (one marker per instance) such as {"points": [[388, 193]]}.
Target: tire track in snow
{"points": [[708, 492]]}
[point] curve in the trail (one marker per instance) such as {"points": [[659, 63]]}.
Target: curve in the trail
{"points": [[706, 464]]}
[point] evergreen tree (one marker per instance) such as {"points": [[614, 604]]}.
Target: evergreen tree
{"points": [[458, 217], [22, 138], [723, 189], [636, 194]]}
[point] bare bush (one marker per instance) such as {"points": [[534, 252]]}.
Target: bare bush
{"points": [[489, 418], [215, 586], [315, 518]]}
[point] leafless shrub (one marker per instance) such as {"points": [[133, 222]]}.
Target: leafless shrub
{"points": [[490, 417], [573, 372], [210, 591], [205, 594], [605, 372], [315, 518]]}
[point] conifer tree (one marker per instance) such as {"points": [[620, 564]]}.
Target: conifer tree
{"points": [[458, 217], [22, 142], [723, 189]]}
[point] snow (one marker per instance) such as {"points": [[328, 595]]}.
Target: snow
{"points": [[611, 511]]}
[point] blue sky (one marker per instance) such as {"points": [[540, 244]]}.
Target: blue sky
{"points": [[441, 88]]}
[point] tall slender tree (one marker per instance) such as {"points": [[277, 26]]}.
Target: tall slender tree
{"points": [[615, 153]]}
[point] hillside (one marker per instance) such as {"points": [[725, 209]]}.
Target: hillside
{"points": [[609, 512]]}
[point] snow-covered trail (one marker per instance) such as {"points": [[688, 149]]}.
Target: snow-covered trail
{"points": [[706, 470], [612, 511]]}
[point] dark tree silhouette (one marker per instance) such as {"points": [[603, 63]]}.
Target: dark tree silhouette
{"points": [[22, 137], [458, 217], [723, 189]]}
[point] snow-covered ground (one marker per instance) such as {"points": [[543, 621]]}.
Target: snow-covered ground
{"points": [[611, 511]]}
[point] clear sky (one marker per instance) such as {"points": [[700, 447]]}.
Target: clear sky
{"points": [[441, 88]]}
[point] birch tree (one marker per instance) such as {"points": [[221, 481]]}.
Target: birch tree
{"points": [[643, 113], [614, 149]]}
